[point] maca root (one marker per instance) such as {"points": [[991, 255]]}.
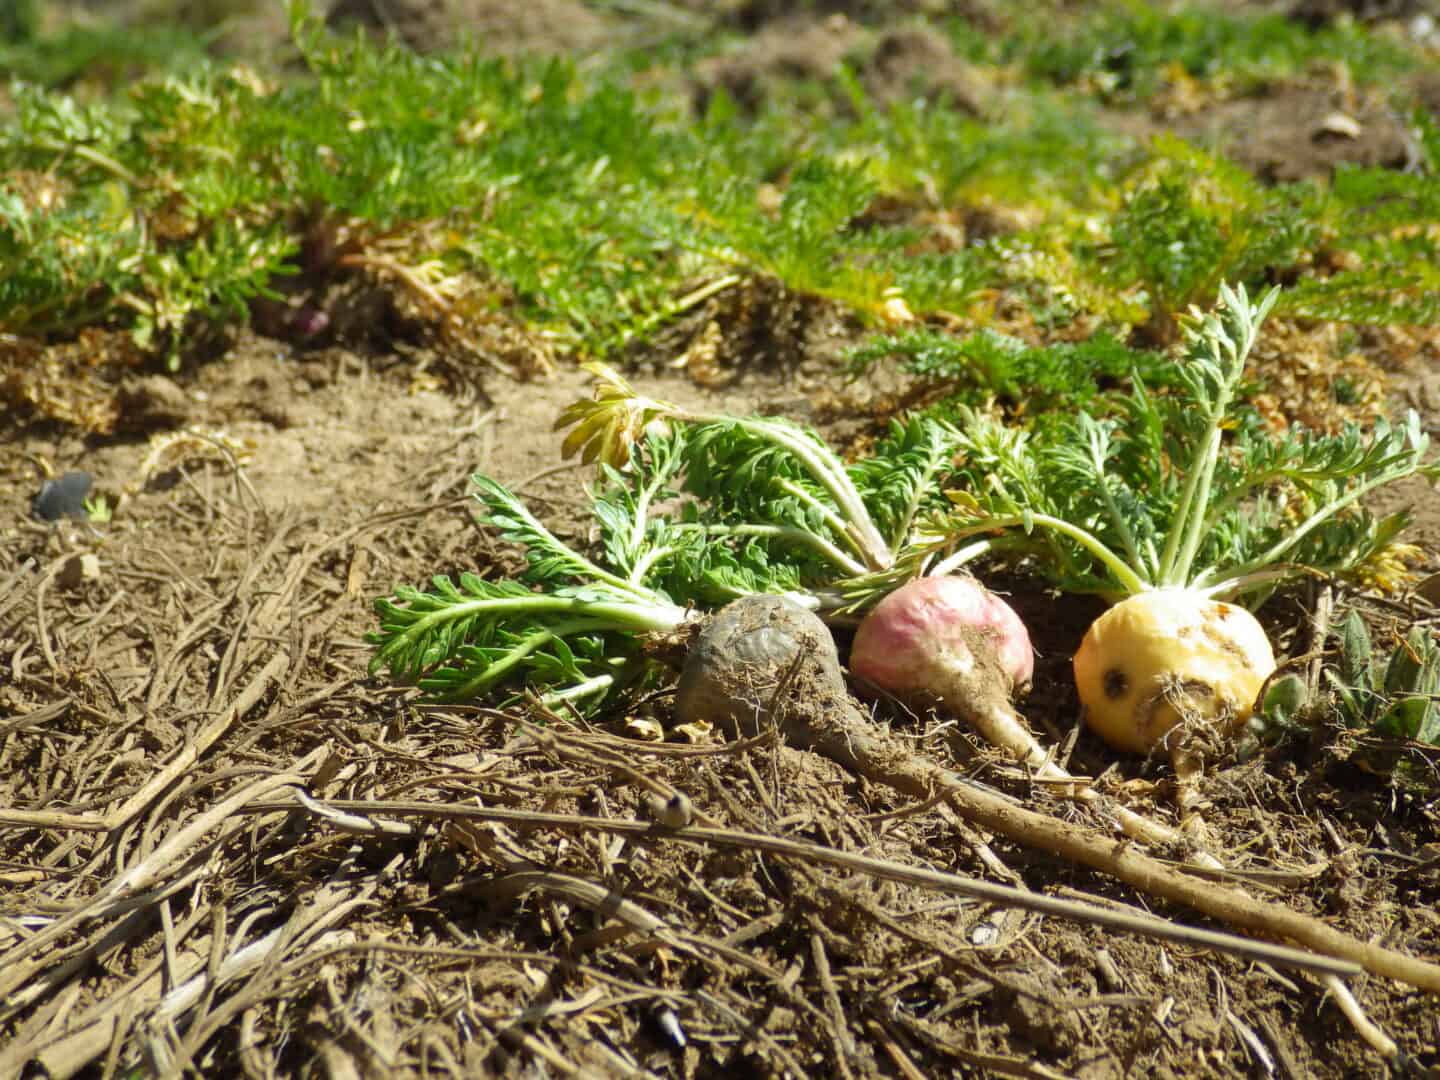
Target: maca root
{"points": [[765, 662]]}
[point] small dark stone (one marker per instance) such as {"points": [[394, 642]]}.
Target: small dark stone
{"points": [[668, 1026], [64, 497]]}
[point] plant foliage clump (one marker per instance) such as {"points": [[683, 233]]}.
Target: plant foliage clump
{"points": [[991, 365], [1182, 489], [1126, 50], [1190, 488], [595, 212]]}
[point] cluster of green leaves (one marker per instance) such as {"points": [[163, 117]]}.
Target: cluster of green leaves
{"points": [[64, 269], [19, 22], [1183, 489], [1126, 49], [689, 515], [991, 365], [111, 53], [1051, 153], [1395, 696], [1141, 234], [110, 183], [593, 206], [601, 211], [1189, 220], [1186, 489], [1381, 220], [461, 640]]}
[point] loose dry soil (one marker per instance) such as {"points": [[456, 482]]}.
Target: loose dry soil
{"points": [[216, 662]]}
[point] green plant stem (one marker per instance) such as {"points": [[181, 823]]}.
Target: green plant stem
{"points": [[90, 154], [652, 617], [641, 594], [1236, 583], [827, 471], [496, 671], [703, 293], [1122, 526], [959, 558], [1277, 551], [912, 507], [582, 566], [1233, 498], [1190, 520], [1191, 517], [646, 563], [595, 685], [830, 517], [1129, 580], [641, 523]]}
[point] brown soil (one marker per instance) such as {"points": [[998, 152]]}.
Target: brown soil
{"points": [[891, 64], [1289, 132], [216, 663], [558, 26]]}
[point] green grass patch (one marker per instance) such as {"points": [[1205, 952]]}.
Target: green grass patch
{"points": [[990, 365], [100, 55], [1128, 51], [594, 212]]}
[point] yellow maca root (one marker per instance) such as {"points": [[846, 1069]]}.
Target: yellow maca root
{"points": [[1166, 656], [951, 638]]}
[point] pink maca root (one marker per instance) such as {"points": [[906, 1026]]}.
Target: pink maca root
{"points": [[928, 632], [952, 640]]}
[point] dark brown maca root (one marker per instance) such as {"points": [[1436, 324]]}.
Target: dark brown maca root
{"points": [[766, 661], [765, 658]]}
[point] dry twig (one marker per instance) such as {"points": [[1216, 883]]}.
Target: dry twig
{"points": [[1147, 925]]}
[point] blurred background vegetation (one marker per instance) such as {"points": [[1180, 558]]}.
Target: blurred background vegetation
{"points": [[972, 187]]}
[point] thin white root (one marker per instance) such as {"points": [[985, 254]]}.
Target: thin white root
{"points": [[1189, 770], [1003, 729], [1366, 1028]]}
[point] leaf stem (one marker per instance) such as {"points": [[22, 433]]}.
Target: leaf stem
{"points": [[651, 617], [498, 669], [1234, 584], [828, 471], [641, 523], [596, 685], [1278, 550], [1128, 578], [1098, 442], [830, 517], [90, 154], [957, 559], [920, 489], [502, 504], [1219, 349], [1190, 517], [646, 562]]}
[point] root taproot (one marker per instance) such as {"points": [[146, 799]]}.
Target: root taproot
{"points": [[765, 661]]}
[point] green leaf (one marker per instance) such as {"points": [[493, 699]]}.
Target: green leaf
{"points": [[1402, 673], [1284, 699], [1405, 719], [1355, 652], [1353, 701], [1429, 729]]}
